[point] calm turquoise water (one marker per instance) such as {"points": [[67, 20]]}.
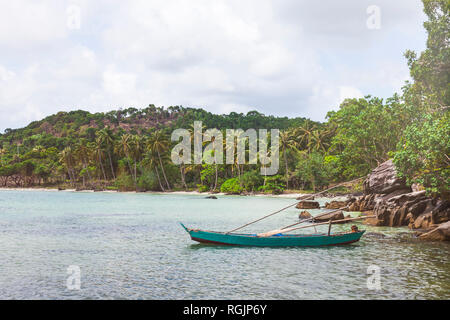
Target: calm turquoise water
{"points": [[130, 246]]}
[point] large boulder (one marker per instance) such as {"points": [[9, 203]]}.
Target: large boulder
{"points": [[335, 204], [337, 215], [441, 213], [441, 233], [308, 205], [304, 215], [383, 179]]}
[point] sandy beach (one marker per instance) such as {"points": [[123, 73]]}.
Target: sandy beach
{"points": [[283, 195]]}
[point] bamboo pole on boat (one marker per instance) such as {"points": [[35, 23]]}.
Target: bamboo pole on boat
{"points": [[306, 220], [287, 207], [271, 233], [318, 216]]}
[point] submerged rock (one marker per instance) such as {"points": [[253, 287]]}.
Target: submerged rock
{"points": [[376, 235], [441, 233], [211, 197], [331, 216], [308, 205], [304, 215]]}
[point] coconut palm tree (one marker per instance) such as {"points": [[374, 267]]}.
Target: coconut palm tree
{"points": [[82, 153], [159, 144], [317, 141], [107, 139], [137, 146], [151, 160], [197, 166], [67, 158], [2, 153], [98, 151], [287, 142], [125, 146], [236, 165], [304, 135]]}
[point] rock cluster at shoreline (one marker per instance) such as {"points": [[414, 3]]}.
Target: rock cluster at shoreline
{"points": [[395, 204]]}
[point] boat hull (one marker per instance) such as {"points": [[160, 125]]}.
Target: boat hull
{"points": [[234, 239]]}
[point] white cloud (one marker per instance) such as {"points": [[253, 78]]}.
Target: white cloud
{"points": [[294, 58], [349, 92]]}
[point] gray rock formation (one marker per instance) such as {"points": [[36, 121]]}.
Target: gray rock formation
{"points": [[394, 203], [383, 180], [440, 233]]}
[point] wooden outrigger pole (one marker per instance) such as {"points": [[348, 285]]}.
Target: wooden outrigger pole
{"points": [[271, 233], [302, 221], [309, 197]]}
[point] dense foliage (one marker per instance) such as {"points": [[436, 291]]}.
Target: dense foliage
{"points": [[423, 151]]}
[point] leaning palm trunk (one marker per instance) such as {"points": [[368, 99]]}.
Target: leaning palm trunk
{"points": [[183, 178], [111, 165], [70, 176], [87, 171], [131, 170], [163, 172], [287, 173], [159, 179], [101, 165], [217, 175]]}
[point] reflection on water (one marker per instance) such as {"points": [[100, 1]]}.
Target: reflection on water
{"points": [[130, 246]]}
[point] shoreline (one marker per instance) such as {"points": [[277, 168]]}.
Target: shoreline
{"points": [[283, 195]]}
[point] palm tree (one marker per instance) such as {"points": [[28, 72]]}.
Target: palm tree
{"points": [[183, 175], [2, 153], [304, 134], [152, 161], [82, 152], [98, 147], [236, 165], [287, 142], [159, 143], [106, 138], [67, 158], [125, 146], [317, 141], [198, 166]]}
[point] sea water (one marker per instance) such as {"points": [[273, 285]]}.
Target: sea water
{"points": [[86, 245]]}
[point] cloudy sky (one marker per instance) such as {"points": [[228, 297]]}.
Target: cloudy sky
{"points": [[283, 57]]}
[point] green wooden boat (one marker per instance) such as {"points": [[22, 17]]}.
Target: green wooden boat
{"points": [[277, 240]]}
